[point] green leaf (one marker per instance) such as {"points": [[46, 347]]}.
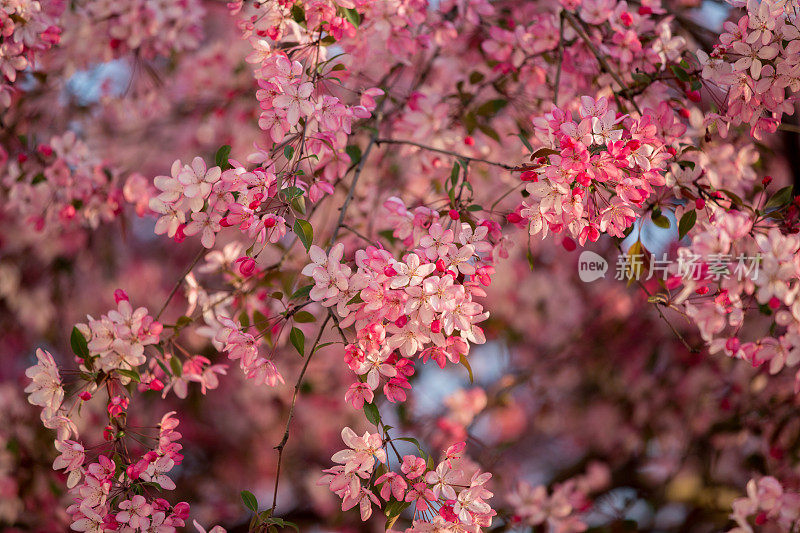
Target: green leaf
{"points": [[525, 142], [474, 207], [491, 107], [464, 361], [183, 321], [490, 132], [304, 232], [686, 223], [322, 345], [223, 154], [355, 299], [733, 196], [475, 77], [129, 374], [298, 340], [290, 193], [372, 413], [288, 151], [680, 73], [354, 152], [353, 17], [393, 510], [80, 346], [244, 320], [454, 174], [176, 366], [302, 292], [304, 317], [661, 221], [249, 500], [298, 13], [413, 441], [780, 198]]}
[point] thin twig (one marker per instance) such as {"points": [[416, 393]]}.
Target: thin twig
{"points": [[446, 152], [560, 58], [180, 281], [285, 438], [575, 23]]}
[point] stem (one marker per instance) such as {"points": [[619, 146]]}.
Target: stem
{"points": [[560, 57], [180, 280], [285, 438], [576, 25], [446, 152]]}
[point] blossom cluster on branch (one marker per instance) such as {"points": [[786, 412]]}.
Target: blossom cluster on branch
{"points": [[381, 212]]}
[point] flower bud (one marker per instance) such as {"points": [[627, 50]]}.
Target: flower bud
{"points": [[247, 265], [120, 295]]}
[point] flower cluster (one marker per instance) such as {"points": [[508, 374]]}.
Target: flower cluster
{"points": [[767, 503], [60, 184], [117, 340], [757, 64], [148, 27], [242, 345], [26, 29], [422, 305], [444, 496], [594, 173]]}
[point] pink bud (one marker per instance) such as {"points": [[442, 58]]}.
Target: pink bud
{"points": [[732, 344], [774, 303], [270, 222], [179, 235], [402, 321], [389, 271], [181, 510], [469, 141], [132, 472], [85, 396], [699, 203], [247, 265], [67, 212], [156, 385], [224, 223], [702, 290], [120, 295], [453, 214], [766, 181], [440, 265], [436, 326], [529, 175], [45, 150], [514, 218], [568, 244]]}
